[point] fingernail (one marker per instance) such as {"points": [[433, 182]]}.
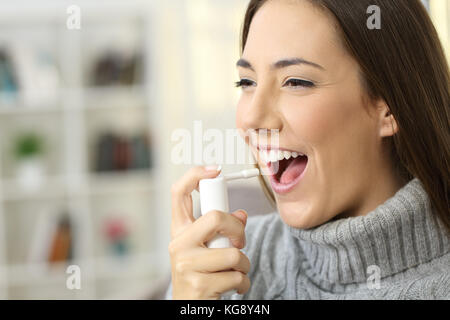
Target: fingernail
{"points": [[243, 214], [213, 168]]}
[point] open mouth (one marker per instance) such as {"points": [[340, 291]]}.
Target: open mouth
{"points": [[285, 166], [286, 171]]}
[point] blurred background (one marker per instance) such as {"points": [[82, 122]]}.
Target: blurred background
{"points": [[86, 122]]}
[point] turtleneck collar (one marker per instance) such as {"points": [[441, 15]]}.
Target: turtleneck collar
{"points": [[399, 234]]}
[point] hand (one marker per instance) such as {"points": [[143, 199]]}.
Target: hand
{"points": [[197, 271]]}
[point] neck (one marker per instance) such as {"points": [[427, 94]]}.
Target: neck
{"points": [[385, 182]]}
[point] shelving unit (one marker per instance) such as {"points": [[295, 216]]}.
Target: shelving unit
{"points": [[70, 124], [182, 42]]}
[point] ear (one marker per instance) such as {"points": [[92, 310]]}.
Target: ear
{"points": [[387, 123]]}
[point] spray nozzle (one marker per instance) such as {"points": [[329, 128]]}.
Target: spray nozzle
{"points": [[244, 174]]}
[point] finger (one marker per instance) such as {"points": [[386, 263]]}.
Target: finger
{"points": [[215, 260], [181, 196], [213, 223], [229, 280], [241, 215], [209, 168], [189, 181]]}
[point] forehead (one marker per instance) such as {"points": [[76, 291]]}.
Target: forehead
{"points": [[283, 28]]}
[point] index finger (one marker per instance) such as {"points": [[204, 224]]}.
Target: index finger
{"points": [[181, 194]]}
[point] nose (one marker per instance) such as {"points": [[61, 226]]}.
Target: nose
{"points": [[260, 117]]}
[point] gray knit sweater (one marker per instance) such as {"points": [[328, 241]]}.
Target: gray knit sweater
{"points": [[397, 251]]}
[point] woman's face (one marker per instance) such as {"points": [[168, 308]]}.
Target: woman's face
{"points": [[322, 116]]}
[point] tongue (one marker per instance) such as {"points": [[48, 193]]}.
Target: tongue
{"points": [[295, 168]]}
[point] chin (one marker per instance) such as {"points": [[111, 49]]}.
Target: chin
{"points": [[298, 216]]}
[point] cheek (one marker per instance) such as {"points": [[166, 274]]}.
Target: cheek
{"points": [[240, 111], [318, 119], [312, 119], [241, 121]]}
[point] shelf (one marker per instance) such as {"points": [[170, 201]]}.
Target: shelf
{"points": [[97, 268], [94, 98], [122, 267], [107, 183], [51, 188], [38, 274], [105, 98], [19, 110], [95, 184], [113, 182]]}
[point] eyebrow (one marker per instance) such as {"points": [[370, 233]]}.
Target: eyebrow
{"points": [[280, 64]]}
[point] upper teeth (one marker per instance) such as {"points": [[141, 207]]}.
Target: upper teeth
{"points": [[277, 155]]}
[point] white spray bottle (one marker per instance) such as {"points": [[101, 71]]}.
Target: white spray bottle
{"points": [[214, 196]]}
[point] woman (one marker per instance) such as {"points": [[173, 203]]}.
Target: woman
{"points": [[364, 213]]}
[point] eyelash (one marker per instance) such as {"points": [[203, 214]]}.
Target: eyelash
{"points": [[297, 83]]}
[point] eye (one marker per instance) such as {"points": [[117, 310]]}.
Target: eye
{"points": [[244, 83], [298, 83]]}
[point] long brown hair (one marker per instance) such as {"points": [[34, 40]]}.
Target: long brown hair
{"points": [[403, 63]]}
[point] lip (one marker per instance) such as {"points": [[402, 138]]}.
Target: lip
{"points": [[286, 188]]}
